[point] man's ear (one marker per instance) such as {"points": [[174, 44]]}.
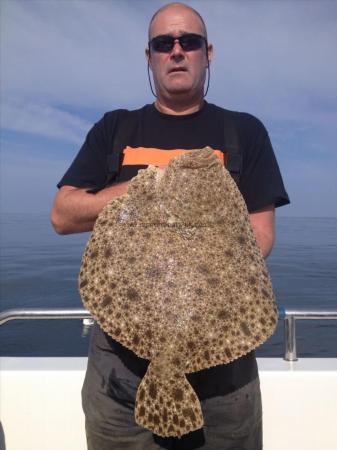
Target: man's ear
{"points": [[148, 56], [210, 53]]}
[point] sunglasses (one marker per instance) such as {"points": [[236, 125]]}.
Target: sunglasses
{"points": [[188, 42]]}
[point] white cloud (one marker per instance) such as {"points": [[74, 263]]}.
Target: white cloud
{"points": [[43, 120], [74, 53], [271, 57], [275, 59]]}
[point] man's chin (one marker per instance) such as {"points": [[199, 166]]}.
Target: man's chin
{"points": [[177, 90]]}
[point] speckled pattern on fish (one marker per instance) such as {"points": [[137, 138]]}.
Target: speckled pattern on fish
{"points": [[173, 272]]}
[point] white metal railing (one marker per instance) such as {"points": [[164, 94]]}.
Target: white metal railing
{"points": [[290, 316], [29, 314], [14, 314]]}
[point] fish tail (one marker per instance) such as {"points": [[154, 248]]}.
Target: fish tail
{"points": [[167, 405]]}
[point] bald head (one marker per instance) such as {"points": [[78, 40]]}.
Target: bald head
{"points": [[176, 8], [179, 72]]}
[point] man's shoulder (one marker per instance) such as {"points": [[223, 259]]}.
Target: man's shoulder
{"points": [[243, 120], [113, 114], [109, 120]]}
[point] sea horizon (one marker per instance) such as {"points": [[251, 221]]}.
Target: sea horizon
{"points": [[39, 269]]}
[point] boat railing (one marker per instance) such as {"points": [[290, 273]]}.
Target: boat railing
{"points": [[289, 316]]}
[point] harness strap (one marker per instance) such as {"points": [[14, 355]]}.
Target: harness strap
{"points": [[128, 124], [124, 124], [232, 149]]}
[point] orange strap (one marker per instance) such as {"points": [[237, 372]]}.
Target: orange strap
{"points": [[141, 156]]}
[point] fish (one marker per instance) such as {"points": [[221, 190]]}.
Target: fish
{"points": [[173, 272]]}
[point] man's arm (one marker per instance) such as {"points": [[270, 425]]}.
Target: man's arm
{"points": [[263, 224], [75, 211]]}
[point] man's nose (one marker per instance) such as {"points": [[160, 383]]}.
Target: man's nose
{"points": [[177, 49]]}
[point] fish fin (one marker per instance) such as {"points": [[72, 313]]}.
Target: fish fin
{"points": [[168, 406]]}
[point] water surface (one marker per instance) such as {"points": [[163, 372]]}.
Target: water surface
{"points": [[39, 269]]}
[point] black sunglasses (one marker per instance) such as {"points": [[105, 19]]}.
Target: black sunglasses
{"points": [[188, 42]]}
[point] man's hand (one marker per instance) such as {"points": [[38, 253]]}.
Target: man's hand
{"points": [[75, 211], [263, 224]]}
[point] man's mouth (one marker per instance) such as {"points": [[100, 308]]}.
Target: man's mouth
{"points": [[177, 69]]}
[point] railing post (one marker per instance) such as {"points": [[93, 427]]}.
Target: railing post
{"points": [[290, 353], [86, 325]]}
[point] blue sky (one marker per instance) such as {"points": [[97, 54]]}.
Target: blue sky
{"points": [[64, 63]]}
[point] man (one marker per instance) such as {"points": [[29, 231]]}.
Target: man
{"points": [[178, 56]]}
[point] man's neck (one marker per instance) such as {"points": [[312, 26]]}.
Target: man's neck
{"points": [[177, 108]]}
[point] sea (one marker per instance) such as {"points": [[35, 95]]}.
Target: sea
{"points": [[39, 269]]}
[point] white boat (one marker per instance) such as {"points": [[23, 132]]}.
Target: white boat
{"points": [[40, 402]]}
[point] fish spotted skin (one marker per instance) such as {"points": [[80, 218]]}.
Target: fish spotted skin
{"points": [[173, 272]]}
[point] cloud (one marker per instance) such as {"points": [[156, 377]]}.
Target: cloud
{"points": [[271, 57], [43, 120], [60, 59], [78, 52], [276, 57]]}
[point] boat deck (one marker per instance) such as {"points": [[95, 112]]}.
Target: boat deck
{"points": [[41, 403]]}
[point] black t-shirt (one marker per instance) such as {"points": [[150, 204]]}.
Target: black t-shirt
{"points": [[260, 185]]}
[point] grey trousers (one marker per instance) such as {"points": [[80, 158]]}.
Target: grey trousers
{"points": [[232, 421]]}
